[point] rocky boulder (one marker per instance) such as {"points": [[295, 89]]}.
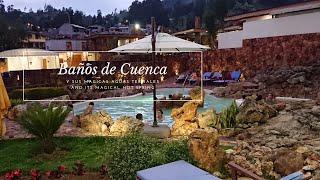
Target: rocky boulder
{"points": [[125, 125], [97, 123], [204, 147], [287, 162], [207, 118], [184, 119], [253, 111], [17, 111], [197, 94], [309, 118], [60, 101]]}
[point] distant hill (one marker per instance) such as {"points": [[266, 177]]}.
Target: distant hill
{"points": [[256, 4]]}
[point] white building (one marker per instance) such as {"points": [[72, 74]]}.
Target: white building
{"points": [[66, 45], [124, 29], [34, 40], [28, 59], [96, 29], [293, 19], [72, 30], [68, 37]]}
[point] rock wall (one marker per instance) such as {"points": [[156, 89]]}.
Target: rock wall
{"points": [[284, 66], [266, 54]]}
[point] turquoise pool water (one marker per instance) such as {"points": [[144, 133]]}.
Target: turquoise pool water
{"points": [[144, 105]]}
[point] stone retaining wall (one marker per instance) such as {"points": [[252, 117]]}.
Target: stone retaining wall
{"points": [[266, 54]]}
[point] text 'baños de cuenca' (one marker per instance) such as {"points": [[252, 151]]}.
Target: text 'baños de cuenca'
{"points": [[125, 69]]}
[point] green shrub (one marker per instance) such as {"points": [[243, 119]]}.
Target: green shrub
{"points": [[127, 155], [43, 123], [37, 93], [15, 102], [227, 117]]}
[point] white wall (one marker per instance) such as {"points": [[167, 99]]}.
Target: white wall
{"points": [[61, 44], [291, 25], [17, 63], [233, 39], [20, 63]]}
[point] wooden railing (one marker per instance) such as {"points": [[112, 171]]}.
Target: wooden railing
{"points": [[236, 170]]}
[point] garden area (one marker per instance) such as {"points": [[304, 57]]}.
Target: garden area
{"points": [[261, 135], [122, 157]]}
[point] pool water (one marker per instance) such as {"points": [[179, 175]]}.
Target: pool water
{"points": [[144, 105]]}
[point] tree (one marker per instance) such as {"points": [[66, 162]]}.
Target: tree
{"points": [[214, 14], [99, 19], [11, 32], [141, 12], [243, 7], [2, 7]]}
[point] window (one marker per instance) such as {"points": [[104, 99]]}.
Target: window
{"points": [[68, 45]]}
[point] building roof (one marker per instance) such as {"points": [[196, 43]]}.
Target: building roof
{"points": [[164, 42], [307, 5], [26, 52], [107, 34], [77, 26], [189, 31]]}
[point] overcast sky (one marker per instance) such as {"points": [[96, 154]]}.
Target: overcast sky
{"points": [[87, 6]]}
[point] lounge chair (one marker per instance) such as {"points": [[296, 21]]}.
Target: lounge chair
{"points": [[217, 76], [207, 78], [234, 76], [217, 79], [296, 176], [182, 78], [179, 170]]}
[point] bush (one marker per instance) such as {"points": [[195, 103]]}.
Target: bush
{"points": [[15, 102], [37, 93], [227, 117], [127, 155], [43, 123]]}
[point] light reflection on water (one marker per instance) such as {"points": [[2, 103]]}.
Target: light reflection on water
{"points": [[144, 105]]}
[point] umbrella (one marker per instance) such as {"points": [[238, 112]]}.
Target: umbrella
{"points": [[159, 42], [4, 106], [164, 42]]}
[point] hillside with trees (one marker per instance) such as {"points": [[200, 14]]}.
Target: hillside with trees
{"points": [[174, 14]]}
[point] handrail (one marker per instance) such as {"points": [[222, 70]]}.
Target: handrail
{"points": [[237, 170], [185, 80]]}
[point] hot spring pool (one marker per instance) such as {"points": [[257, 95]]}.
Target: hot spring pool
{"points": [[144, 105]]}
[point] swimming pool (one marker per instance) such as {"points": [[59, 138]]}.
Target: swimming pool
{"points": [[144, 105]]}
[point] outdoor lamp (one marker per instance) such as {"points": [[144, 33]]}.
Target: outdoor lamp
{"points": [[137, 26], [162, 78], [142, 80], [177, 72]]}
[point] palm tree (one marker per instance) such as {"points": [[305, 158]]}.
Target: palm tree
{"points": [[43, 124]]}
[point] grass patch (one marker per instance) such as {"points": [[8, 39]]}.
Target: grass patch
{"points": [[124, 156], [37, 93], [24, 154]]}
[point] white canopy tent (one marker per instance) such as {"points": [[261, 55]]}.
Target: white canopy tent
{"points": [[29, 59], [164, 43]]}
